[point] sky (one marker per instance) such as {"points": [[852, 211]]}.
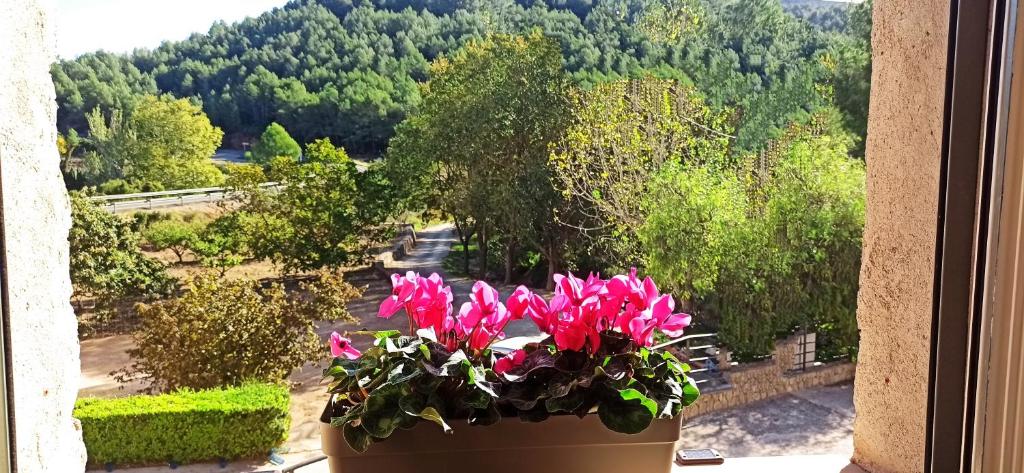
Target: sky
{"points": [[123, 25]]}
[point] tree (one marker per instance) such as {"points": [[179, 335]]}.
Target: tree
{"points": [[314, 219], [175, 143], [275, 142], [164, 141], [174, 235], [766, 246], [105, 258], [848, 64], [488, 117], [348, 71], [222, 245], [624, 133]]}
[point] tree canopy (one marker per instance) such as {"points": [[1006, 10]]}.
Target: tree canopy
{"points": [[497, 106], [161, 140], [275, 142], [348, 69]]}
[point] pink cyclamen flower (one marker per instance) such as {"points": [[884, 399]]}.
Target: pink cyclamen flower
{"points": [[483, 310], [402, 292], [342, 347], [670, 324], [432, 305], [518, 303], [510, 361]]}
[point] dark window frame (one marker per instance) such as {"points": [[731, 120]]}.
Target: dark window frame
{"points": [[975, 82]]}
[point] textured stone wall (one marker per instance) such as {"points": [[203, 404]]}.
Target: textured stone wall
{"points": [[767, 379], [895, 302], [37, 218]]}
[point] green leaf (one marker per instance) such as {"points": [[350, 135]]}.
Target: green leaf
{"points": [[427, 413], [357, 437], [627, 412], [386, 334], [568, 403], [383, 414], [488, 416], [690, 392]]}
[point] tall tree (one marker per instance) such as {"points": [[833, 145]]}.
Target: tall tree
{"points": [[175, 143], [624, 132], [313, 220], [488, 118], [162, 140]]}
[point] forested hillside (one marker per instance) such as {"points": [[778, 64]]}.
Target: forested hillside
{"points": [[349, 70]]}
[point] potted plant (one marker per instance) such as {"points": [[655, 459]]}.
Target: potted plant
{"points": [[593, 396]]}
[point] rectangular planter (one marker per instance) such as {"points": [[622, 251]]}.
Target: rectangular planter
{"points": [[561, 444]]}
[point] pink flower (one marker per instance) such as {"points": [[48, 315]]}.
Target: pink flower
{"points": [[402, 292], [510, 361], [342, 347], [432, 305], [483, 318], [578, 291], [519, 302], [646, 309], [483, 304], [642, 331], [670, 324]]}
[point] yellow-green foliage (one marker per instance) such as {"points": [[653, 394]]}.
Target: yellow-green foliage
{"points": [[186, 426], [762, 249]]}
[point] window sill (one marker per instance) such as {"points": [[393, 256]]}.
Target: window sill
{"points": [[787, 464]]}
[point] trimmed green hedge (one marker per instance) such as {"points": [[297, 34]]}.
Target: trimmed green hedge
{"points": [[186, 426]]}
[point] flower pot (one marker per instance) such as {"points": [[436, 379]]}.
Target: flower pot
{"points": [[561, 444]]}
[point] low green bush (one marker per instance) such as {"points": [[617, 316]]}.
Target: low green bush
{"points": [[186, 426]]}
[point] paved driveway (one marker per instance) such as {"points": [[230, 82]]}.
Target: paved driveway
{"points": [[816, 421]]}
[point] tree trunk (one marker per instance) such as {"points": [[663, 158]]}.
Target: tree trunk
{"points": [[465, 236], [465, 257], [481, 240], [510, 261], [552, 269]]}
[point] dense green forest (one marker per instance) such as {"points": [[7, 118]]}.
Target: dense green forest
{"points": [[350, 70]]}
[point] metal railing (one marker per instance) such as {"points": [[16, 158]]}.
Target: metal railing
{"points": [[293, 468], [806, 352], [703, 353], [153, 200]]}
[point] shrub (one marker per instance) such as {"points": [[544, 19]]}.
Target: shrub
{"points": [[186, 426], [120, 186], [222, 333], [327, 297], [765, 250], [105, 258]]}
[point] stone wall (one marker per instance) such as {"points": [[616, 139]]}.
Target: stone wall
{"points": [[767, 379], [894, 309], [37, 217], [400, 246]]}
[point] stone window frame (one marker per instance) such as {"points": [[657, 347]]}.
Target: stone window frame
{"points": [[966, 226]]}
